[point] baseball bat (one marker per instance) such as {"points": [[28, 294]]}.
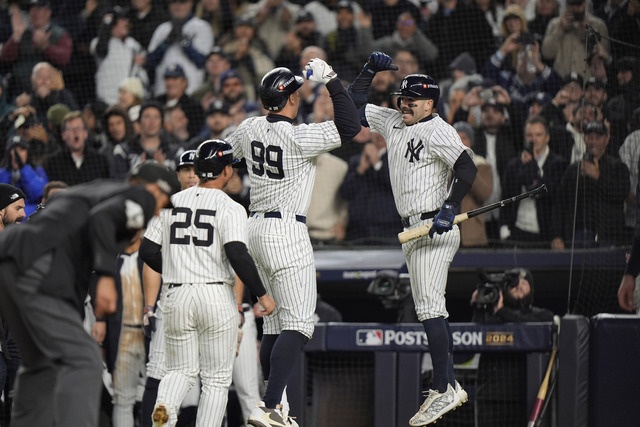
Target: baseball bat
{"points": [[423, 230], [542, 392]]}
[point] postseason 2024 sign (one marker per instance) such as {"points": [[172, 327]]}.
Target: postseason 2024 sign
{"points": [[411, 337]]}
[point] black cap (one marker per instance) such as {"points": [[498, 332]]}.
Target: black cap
{"points": [[19, 141], [218, 106], [174, 71], [217, 50], [596, 127], [575, 2], [593, 81], [344, 4], [573, 77], [494, 104], [305, 16], [9, 194], [626, 63], [40, 3], [542, 98], [155, 173]]}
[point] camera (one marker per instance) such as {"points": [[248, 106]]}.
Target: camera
{"points": [[391, 286], [486, 94], [525, 39], [491, 285]]}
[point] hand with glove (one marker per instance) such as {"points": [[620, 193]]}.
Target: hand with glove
{"points": [[319, 71], [443, 221], [149, 323], [379, 61]]}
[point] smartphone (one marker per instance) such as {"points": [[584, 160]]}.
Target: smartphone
{"points": [[588, 157], [525, 39], [528, 147]]}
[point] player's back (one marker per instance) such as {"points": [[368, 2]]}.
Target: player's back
{"points": [[194, 233], [281, 160]]}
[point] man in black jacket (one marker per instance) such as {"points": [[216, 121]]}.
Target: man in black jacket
{"points": [[46, 266]]}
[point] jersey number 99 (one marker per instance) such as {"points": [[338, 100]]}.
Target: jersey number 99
{"points": [[267, 159]]}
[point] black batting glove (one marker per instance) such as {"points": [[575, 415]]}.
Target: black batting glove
{"points": [[149, 324], [443, 221], [379, 61]]}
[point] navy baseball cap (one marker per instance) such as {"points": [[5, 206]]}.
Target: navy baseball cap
{"points": [[593, 81], [596, 127], [186, 159], [218, 106], [229, 74], [174, 71], [573, 77]]}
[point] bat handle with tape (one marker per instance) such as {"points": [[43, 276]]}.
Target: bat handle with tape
{"points": [[421, 231]]}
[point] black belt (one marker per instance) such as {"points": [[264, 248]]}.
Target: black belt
{"points": [[177, 285], [406, 223], [128, 325], [276, 214]]}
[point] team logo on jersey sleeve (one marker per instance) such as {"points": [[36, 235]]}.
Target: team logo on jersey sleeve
{"points": [[413, 150]]}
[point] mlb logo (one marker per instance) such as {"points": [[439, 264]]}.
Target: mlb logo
{"points": [[369, 337]]}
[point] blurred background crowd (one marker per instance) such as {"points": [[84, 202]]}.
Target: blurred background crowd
{"points": [[544, 91]]}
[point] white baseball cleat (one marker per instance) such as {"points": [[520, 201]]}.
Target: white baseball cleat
{"points": [[435, 406], [461, 394], [267, 417]]}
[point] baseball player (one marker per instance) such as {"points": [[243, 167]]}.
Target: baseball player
{"points": [[45, 267], [422, 149], [156, 369], [195, 245], [281, 161]]}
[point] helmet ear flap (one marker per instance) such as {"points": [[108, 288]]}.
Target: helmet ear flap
{"points": [[398, 101]]}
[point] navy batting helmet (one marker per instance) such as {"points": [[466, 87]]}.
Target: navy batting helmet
{"points": [[418, 86], [212, 156], [276, 87], [187, 158]]}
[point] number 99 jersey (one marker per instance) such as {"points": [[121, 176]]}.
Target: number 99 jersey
{"points": [[193, 235], [281, 160]]}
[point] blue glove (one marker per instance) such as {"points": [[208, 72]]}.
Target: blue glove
{"points": [[379, 61], [443, 221]]}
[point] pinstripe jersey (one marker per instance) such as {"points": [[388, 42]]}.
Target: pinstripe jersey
{"points": [[193, 233], [281, 160], [420, 157]]}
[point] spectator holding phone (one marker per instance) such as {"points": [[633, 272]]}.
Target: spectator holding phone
{"points": [[602, 187], [529, 221], [566, 41]]}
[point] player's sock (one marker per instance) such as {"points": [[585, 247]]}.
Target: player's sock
{"points": [[438, 338], [452, 374], [148, 401], [187, 416], [284, 356], [266, 347]]}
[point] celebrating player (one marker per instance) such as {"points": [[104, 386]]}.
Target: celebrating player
{"points": [[281, 163], [194, 246], [422, 148]]}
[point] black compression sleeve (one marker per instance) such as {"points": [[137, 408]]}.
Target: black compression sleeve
{"points": [[464, 172], [244, 267], [345, 115], [150, 252], [359, 88]]}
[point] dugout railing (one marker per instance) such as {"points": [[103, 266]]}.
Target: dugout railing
{"points": [[371, 374]]}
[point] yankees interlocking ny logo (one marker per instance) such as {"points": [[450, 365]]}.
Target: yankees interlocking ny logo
{"points": [[413, 151]]}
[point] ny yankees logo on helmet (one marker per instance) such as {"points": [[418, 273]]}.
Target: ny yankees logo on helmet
{"points": [[413, 151]]}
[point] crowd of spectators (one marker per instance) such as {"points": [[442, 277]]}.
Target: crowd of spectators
{"points": [[544, 91]]}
